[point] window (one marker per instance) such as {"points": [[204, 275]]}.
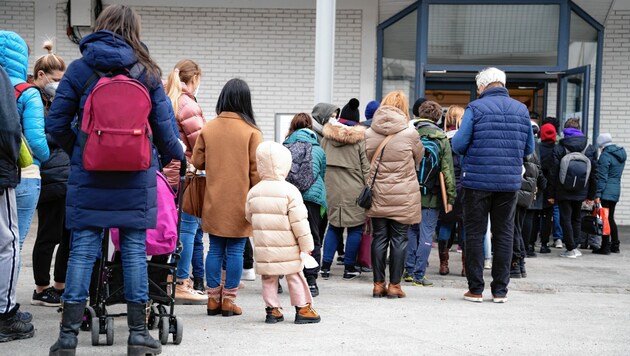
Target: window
{"points": [[399, 55]]}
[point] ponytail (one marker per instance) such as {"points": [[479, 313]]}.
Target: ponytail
{"points": [[174, 89]]}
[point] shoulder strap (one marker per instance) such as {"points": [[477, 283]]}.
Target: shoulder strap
{"points": [[380, 148]]}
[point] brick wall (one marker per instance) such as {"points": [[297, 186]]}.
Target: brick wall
{"points": [[19, 16], [615, 93], [272, 49]]}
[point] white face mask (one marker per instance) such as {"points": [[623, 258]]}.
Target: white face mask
{"points": [[51, 88]]}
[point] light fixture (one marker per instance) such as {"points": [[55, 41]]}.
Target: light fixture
{"points": [[443, 71]]}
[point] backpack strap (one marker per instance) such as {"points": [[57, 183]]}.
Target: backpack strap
{"points": [[21, 88]]}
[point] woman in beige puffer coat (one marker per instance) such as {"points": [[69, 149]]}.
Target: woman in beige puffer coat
{"points": [[281, 231], [396, 191]]}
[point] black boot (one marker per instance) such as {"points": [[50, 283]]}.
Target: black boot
{"points": [[521, 263], [71, 318], [605, 249], [140, 343], [198, 284], [515, 270], [614, 246]]}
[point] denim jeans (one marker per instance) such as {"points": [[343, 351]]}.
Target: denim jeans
{"points": [[446, 231], [85, 248], [27, 196], [353, 241], [501, 206], [230, 248], [557, 227], [198, 268], [190, 228], [419, 244]]}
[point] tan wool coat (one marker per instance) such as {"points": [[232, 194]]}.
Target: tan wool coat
{"points": [[396, 193], [226, 150], [278, 214]]}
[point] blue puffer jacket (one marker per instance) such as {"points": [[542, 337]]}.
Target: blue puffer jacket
{"points": [[609, 170], [317, 192], [493, 138], [14, 60], [109, 199]]}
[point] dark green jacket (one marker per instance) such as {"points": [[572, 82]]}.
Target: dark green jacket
{"points": [[609, 170]]}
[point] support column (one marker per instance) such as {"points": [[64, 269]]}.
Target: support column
{"points": [[324, 50]]}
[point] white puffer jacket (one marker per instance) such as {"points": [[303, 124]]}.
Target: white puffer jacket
{"points": [[278, 215]]}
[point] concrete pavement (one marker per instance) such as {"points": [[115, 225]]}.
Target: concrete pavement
{"points": [[564, 307]]}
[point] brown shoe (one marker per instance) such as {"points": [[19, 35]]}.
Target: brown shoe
{"points": [[469, 296], [306, 315], [228, 304], [214, 300], [379, 290], [274, 315], [185, 294], [395, 291]]}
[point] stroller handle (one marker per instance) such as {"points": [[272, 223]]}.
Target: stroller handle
{"points": [[183, 168]]}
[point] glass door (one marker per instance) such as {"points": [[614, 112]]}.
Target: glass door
{"points": [[573, 95]]}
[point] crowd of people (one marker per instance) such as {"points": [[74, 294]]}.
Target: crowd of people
{"points": [[492, 178]]}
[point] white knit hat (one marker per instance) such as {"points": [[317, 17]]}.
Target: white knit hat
{"points": [[604, 139], [490, 75]]}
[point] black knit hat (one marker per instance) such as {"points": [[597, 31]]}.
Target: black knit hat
{"points": [[416, 106], [351, 111]]}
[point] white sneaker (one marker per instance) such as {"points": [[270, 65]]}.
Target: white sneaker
{"points": [[248, 275], [558, 243], [578, 253], [487, 263], [568, 254]]}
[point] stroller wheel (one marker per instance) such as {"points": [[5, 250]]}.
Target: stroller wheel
{"points": [[164, 329], [88, 314], [96, 329], [109, 330], [179, 331], [153, 317]]}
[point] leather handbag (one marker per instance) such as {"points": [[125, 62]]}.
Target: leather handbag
{"points": [[364, 258], [365, 197], [194, 192]]}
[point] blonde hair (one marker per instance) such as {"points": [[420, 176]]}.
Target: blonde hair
{"points": [[397, 99], [453, 117], [50, 62], [184, 71]]}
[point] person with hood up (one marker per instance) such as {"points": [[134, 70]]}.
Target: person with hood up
{"points": [[396, 150], [322, 112], [610, 167]]}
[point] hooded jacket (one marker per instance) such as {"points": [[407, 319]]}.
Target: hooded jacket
{"points": [[317, 192], [321, 114], [10, 134], [609, 170], [277, 214], [109, 199], [573, 144], [14, 60], [347, 168], [396, 192], [533, 184]]}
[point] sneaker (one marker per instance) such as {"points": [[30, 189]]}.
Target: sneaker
{"points": [[48, 298], [274, 315], [340, 260], [24, 316], [198, 285], [558, 243], [407, 277], [530, 252], [186, 295], [350, 274], [423, 282], [545, 249], [312, 286], [515, 270], [306, 315], [248, 275], [568, 254], [364, 269], [324, 273], [14, 329], [496, 299], [487, 263], [578, 253], [476, 298]]}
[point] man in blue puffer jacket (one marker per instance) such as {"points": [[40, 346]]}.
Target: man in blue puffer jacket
{"points": [[494, 136]]}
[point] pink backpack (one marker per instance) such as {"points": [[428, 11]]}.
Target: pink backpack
{"points": [[115, 125], [163, 239]]}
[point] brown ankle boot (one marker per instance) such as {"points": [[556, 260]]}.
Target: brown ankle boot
{"points": [[443, 252], [379, 290], [306, 315], [214, 300], [228, 304], [463, 265], [395, 291], [274, 315]]}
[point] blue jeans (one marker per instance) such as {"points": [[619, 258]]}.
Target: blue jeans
{"points": [[230, 248], [190, 228], [198, 269], [420, 238], [26, 196], [85, 248], [446, 230], [334, 235], [557, 227]]}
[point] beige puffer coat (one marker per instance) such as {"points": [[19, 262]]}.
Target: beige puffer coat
{"points": [[277, 214], [396, 193]]}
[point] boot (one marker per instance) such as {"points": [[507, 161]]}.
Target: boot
{"points": [[198, 284], [379, 290], [71, 318], [443, 252], [614, 246], [140, 343], [521, 264], [606, 248], [515, 270], [394, 291], [274, 315], [228, 304], [214, 300], [185, 294], [463, 264], [306, 315]]}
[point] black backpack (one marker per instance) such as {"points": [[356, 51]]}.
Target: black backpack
{"points": [[575, 169], [301, 173]]}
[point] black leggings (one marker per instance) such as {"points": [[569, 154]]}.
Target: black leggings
{"points": [[614, 233], [51, 231]]}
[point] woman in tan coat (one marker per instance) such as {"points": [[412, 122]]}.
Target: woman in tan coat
{"points": [[281, 232], [396, 192], [226, 150]]}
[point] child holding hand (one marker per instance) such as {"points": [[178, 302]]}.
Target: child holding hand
{"points": [[281, 231]]}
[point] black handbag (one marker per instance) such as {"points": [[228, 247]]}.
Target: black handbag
{"points": [[592, 224], [365, 197]]}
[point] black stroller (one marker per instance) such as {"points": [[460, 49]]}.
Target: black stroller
{"points": [[106, 289]]}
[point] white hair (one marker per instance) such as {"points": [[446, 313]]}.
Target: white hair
{"points": [[490, 75]]}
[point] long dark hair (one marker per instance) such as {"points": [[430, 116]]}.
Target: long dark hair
{"points": [[125, 22], [236, 97]]}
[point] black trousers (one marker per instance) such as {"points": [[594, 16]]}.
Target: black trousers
{"points": [[502, 207], [51, 231], [518, 247], [392, 235], [570, 222], [546, 221], [614, 232], [314, 221], [531, 226], [248, 255]]}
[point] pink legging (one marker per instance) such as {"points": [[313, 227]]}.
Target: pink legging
{"points": [[298, 290]]}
